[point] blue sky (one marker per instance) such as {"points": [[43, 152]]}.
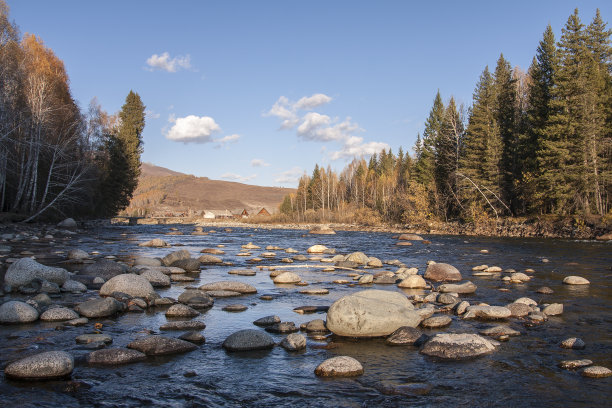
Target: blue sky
{"points": [[260, 91]]}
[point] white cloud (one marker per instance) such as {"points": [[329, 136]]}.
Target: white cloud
{"points": [[165, 63], [315, 126], [311, 102], [259, 163], [149, 114], [192, 129], [290, 176], [354, 147], [238, 177], [228, 139]]}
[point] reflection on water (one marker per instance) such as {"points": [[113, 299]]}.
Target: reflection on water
{"points": [[523, 372]]}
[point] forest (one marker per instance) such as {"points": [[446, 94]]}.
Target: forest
{"points": [[532, 143], [54, 159]]}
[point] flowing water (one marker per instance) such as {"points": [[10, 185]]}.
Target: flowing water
{"points": [[521, 372]]}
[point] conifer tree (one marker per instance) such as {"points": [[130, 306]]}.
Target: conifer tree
{"points": [[448, 145], [424, 167]]}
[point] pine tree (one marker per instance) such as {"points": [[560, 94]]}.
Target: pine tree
{"points": [[424, 167], [447, 148]]}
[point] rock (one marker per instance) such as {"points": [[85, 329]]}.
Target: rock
{"points": [[250, 245], [537, 316], [115, 356], [282, 328], [196, 298], [294, 342], [244, 272], [385, 279], [442, 272], [189, 264], [596, 372], [156, 345], [519, 277], [605, 237], [317, 249], [183, 325], [42, 366], [248, 339], [574, 343], [181, 310], [145, 261], [77, 255], [553, 309], [574, 364], [94, 338], [156, 278], [316, 291], [464, 288], [175, 256], [545, 290], [287, 278], [316, 326], [235, 308], [497, 331], [375, 262], [15, 311], [487, 312], [267, 321], [526, 301], [406, 335], [413, 282], [519, 309], [155, 243], [322, 230], [81, 321], [105, 269], [371, 313], [223, 293], [451, 346], [342, 366], [410, 237], [73, 286], [68, 223], [436, 322], [58, 314], [358, 257], [407, 389], [493, 269], [575, 280], [100, 307], [234, 286], [133, 285], [366, 279], [447, 299], [25, 270], [213, 251], [193, 337]]}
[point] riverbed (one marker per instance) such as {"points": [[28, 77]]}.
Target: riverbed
{"points": [[521, 372]]}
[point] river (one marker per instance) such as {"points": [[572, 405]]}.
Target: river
{"points": [[521, 372]]}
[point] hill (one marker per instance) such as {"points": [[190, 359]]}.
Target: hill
{"points": [[163, 192]]}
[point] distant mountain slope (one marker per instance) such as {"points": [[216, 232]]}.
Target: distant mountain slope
{"points": [[162, 191]]}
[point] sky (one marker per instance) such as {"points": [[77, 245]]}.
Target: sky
{"points": [[261, 91]]}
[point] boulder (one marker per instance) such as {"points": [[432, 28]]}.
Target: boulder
{"points": [[267, 321], [605, 237], [25, 270], [175, 256], [597, 372], [183, 325], [406, 336], [374, 262], [574, 343], [155, 243], [371, 313], [497, 331], [287, 277], [233, 286], [442, 272], [181, 310], [156, 278], [115, 356], [322, 230], [317, 249], [189, 264], [410, 237], [413, 282], [193, 337], [77, 255], [73, 286], [15, 311], [294, 342], [366, 279], [435, 322], [133, 285], [282, 328], [94, 338], [156, 345], [574, 364], [519, 309], [196, 297], [100, 307], [553, 309], [43, 366], [317, 326], [487, 312], [209, 260], [464, 288], [58, 314], [519, 277], [68, 223], [575, 280], [358, 257], [341, 366], [105, 269], [451, 346], [248, 339]]}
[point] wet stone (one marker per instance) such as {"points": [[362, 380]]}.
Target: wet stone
{"points": [[235, 308], [406, 336], [161, 345], [193, 337], [294, 342], [436, 322], [181, 310], [267, 321], [115, 356], [183, 325], [575, 364], [310, 309], [407, 389], [248, 339], [282, 328], [94, 338], [501, 330], [597, 372], [342, 366], [42, 366], [573, 343], [545, 290]]}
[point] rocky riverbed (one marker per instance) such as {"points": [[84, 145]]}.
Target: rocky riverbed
{"points": [[180, 315]]}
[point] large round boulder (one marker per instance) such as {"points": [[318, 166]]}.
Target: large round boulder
{"points": [[371, 313], [287, 277], [442, 272], [451, 346], [358, 257], [15, 311], [43, 366], [100, 307], [26, 270], [248, 339], [133, 285], [413, 282]]}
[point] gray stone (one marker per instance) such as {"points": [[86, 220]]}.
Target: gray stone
{"points": [[371, 313], [497, 331], [294, 342], [553, 309], [358, 257], [234, 286], [451, 346], [342, 366], [447, 299], [462, 307], [574, 343], [406, 335], [156, 278], [181, 310], [115, 356], [487, 312], [25, 270], [366, 279], [175, 256], [133, 285], [435, 322], [105, 269], [413, 282], [282, 328], [49, 287], [223, 293], [189, 265], [267, 321], [235, 308], [68, 223], [317, 326], [193, 337], [81, 321], [545, 290], [183, 325], [58, 314], [100, 307], [287, 277], [77, 254], [196, 298], [15, 311], [73, 286], [410, 237], [94, 338], [464, 288], [248, 339], [145, 261], [574, 364], [374, 262], [42, 366], [155, 243], [597, 372], [575, 280], [442, 272], [160, 345], [519, 309]]}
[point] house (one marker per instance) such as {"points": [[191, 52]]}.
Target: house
{"points": [[263, 212], [222, 213]]}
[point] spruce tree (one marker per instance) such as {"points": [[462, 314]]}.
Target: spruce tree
{"points": [[424, 167], [448, 145]]}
